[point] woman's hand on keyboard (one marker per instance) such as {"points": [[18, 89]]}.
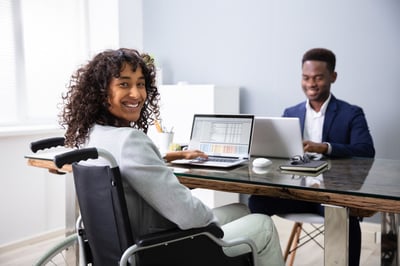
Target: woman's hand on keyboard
{"points": [[185, 154]]}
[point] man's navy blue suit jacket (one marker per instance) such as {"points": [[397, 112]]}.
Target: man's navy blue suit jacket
{"points": [[345, 128]]}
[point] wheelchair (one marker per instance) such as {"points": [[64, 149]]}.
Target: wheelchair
{"points": [[103, 231]]}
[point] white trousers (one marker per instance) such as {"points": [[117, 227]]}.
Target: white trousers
{"points": [[237, 221]]}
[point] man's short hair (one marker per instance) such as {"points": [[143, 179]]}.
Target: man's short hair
{"points": [[321, 54]]}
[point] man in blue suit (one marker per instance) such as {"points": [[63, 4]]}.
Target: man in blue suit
{"points": [[332, 128]]}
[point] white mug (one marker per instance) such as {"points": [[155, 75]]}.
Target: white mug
{"points": [[164, 141]]}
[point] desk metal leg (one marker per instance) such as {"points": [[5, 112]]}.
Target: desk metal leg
{"points": [[336, 235], [390, 239], [71, 214]]}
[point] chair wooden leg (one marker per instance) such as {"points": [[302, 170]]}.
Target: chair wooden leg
{"points": [[289, 243], [292, 243]]}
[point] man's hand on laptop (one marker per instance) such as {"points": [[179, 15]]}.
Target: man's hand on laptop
{"points": [[185, 154], [310, 146]]}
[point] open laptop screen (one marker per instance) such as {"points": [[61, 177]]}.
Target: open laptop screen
{"points": [[277, 137], [222, 135]]}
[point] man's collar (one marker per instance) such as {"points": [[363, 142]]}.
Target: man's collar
{"points": [[323, 107]]}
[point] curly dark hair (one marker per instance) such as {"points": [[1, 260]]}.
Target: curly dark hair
{"points": [[85, 103]]}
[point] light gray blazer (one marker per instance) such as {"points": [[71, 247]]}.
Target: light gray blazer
{"points": [[155, 198]]}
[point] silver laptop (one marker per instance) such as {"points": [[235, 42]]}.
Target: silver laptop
{"points": [[226, 139], [276, 137]]}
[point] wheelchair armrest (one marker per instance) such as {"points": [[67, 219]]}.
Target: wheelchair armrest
{"points": [[177, 233]]}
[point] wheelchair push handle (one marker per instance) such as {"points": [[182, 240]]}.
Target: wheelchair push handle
{"points": [[47, 143], [75, 156]]}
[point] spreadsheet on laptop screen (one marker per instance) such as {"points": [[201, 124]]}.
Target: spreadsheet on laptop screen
{"points": [[222, 135]]}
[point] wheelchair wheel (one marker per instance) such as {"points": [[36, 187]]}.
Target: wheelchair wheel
{"points": [[57, 255]]}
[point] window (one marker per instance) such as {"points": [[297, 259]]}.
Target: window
{"points": [[42, 44], [8, 96]]}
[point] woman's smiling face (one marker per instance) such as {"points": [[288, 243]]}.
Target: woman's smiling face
{"points": [[127, 94]]}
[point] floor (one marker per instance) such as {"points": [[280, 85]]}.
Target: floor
{"points": [[312, 254], [309, 254], [27, 254]]}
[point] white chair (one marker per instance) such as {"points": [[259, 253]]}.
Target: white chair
{"points": [[296, 240]]}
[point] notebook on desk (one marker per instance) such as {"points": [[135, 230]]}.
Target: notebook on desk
{"points": [[309, 166], [226, 139], [276, 137]]}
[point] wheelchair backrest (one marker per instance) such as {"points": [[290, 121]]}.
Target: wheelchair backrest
{"points": [[103, 210]]}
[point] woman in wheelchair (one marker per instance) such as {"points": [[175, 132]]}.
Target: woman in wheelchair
{"points": [[110, 103]]}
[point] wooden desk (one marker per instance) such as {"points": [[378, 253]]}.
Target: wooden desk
{"points": [[350, 184]]}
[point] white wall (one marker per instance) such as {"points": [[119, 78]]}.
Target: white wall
{"points": [[113, 24], [131, 24], [31, 200]]}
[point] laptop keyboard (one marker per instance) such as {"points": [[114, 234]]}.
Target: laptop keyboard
{"points": [[213, 161], [221, 159]]}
